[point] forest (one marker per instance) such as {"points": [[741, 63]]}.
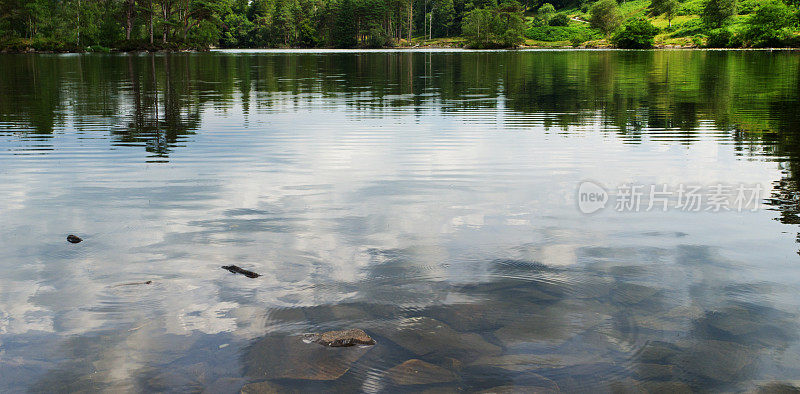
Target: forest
{"points": [[104, 25]]}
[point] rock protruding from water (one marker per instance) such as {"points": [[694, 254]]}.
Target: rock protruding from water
{"points": [[288, 357], [237, 270], [74, 239], [343, 338], [416, 371]]}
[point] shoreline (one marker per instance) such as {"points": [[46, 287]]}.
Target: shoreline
{"points": [[420, 48]]}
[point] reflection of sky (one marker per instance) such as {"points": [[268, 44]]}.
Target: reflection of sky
{"points": [[305, 196], [302, 202]]}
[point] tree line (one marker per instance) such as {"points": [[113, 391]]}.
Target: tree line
{"points": [[173, 24], [67, 25]]}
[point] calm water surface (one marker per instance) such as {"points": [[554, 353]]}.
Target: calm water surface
{"points": [[428, 198]]}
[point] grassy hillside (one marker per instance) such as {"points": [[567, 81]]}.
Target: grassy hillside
{"points": [[685, 30]]}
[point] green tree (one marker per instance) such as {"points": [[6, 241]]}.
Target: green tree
{"points": [[544, 14], [770, 25], [605, 16], [717, 12], [477, 26], [345, 31], [443, 17], [636, 34], [668, 8], [494, 26], [559, 19]]}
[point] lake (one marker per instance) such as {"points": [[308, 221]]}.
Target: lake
{"points": [[495, 220]]}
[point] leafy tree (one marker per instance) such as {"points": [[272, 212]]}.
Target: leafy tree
{"points": [[494, 27], [443, 16], [605, 16], [769, 25], [668, 8], [560, 19], [636, 34], [237, 31], [345, 32], [717, 12], [544, 14]]}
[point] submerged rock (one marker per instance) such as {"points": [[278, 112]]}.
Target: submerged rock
{"points": [[546, 387], [734, 321], [483, 316], [719, 360], [529, 361], [658, 352], [288, 357], [674, 387], [778, 388], [74, 239], [654, 371], [426, 336], [419, 372], [266, 388], [343, 338], [632, 293], [236, 270]]}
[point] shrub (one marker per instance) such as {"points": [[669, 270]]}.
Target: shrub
{"points": [[748, 6], [688, 29], [98, 48], [719, 38], [691, 8], [770, 25], [560, 19], [14, 45], [377, 38], [560, 33], [636, 34]]}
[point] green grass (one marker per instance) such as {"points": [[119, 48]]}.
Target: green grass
{"points": [[575, 31]]}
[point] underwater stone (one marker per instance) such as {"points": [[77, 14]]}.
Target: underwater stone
{"points": [[416, 371], [288, 357]]}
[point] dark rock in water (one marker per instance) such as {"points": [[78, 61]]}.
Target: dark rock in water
{"points": [[225, 385], [342, 338], [236, 270], [667, 387], [545, 388], [74, 239], [424, 336], [658, 352], [719, 360], [654, 371], [419, 372], [288, 357], [778, 388], [266, 388], [483, 316], [734, 321], [631, 293]]}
